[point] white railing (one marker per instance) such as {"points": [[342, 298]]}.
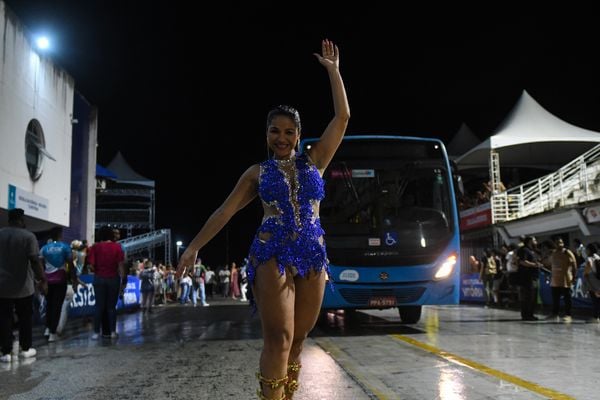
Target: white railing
{"points": [[576, 182], [147, 241]]}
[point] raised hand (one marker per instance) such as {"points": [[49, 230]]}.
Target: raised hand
{"points": [[187, 260], [330, 55]]}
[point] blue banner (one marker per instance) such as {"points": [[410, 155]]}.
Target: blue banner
{"points": [[579, 298], [471, 288], [84, 300]]}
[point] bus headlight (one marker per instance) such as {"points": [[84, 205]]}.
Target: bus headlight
{"points": [[446, 268]]}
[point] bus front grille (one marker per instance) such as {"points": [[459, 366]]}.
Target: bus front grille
{"points": [[362, 296]]}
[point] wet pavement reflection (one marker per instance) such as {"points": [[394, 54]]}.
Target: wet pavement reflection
{"points": [[356, 323], [175, 352], [182, 352]]}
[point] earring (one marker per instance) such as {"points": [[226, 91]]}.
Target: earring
{"points": [[268, 154]]}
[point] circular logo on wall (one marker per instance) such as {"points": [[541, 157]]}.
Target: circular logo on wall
{"points": [[35, 149]]}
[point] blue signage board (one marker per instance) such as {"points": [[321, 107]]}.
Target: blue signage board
{"points": [[471, 288], [579, 298], [84, 300]]}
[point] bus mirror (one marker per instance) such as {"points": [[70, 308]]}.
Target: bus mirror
{"points": [[458, 184]]}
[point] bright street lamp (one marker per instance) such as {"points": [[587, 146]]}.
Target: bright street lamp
{"points": [[179, 243], [42, 42]]}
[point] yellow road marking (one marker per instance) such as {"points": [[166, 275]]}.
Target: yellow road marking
{"points": [[551, 394]]}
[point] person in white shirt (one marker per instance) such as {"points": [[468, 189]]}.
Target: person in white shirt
{"points": [[209, 281], [185, 283]]}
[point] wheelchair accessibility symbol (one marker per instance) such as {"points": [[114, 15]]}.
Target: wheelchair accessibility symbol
{"points": [[391, 238]]}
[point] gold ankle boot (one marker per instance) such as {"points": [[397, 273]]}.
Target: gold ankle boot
{"points": [[292, 384], [273, 384]]}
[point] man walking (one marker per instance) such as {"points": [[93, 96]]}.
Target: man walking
{"points": [[564, 270], [19, 264], [529, 266]]}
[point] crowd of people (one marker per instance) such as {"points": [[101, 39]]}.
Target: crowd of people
{"points": [[46, 278], [513, 271], [159, 285]]}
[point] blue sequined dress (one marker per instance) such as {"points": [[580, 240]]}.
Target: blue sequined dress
{"points": [[290, 191]]}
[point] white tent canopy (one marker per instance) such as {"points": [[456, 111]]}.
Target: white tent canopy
{"points": [[126, 174], [463, 140], [530, 136]]}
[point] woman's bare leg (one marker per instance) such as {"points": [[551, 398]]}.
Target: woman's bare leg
{"points": [[274, 295], [309, 296]]}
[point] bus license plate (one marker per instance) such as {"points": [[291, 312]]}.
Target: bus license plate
{"points": [[387, 301]]}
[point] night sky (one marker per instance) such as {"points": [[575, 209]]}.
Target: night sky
{"points": [[177, 85]]}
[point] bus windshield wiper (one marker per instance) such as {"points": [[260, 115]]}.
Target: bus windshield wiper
{"points": [[349, 184]]}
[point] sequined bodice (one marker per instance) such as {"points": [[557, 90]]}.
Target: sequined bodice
{"points": [[290, 191], [290, 233]]}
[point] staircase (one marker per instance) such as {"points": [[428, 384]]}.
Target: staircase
{"points": [[148, 241], [577, 182]]}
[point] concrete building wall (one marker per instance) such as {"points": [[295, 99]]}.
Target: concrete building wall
{"points": [[83, 171], [33, 88]]}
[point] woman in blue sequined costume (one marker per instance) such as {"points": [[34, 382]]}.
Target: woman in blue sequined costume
{"points": [[288, 259]]}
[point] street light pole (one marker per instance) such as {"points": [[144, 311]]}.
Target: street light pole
{"points": [[179, 243]]}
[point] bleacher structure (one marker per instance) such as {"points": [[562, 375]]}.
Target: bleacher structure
{"points": [[127, 202], [575, 183], [126, 207], [565, 202]]}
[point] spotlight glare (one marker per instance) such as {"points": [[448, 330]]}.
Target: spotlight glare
{"points": [[42, 43]]}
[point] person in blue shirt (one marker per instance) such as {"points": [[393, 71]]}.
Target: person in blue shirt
{"points": [[56, 257]]}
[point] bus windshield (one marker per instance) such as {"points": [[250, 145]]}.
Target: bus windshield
{"points": [[387, 202]]}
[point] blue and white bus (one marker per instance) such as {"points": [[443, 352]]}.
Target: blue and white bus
{"points": [[391, 225]]}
